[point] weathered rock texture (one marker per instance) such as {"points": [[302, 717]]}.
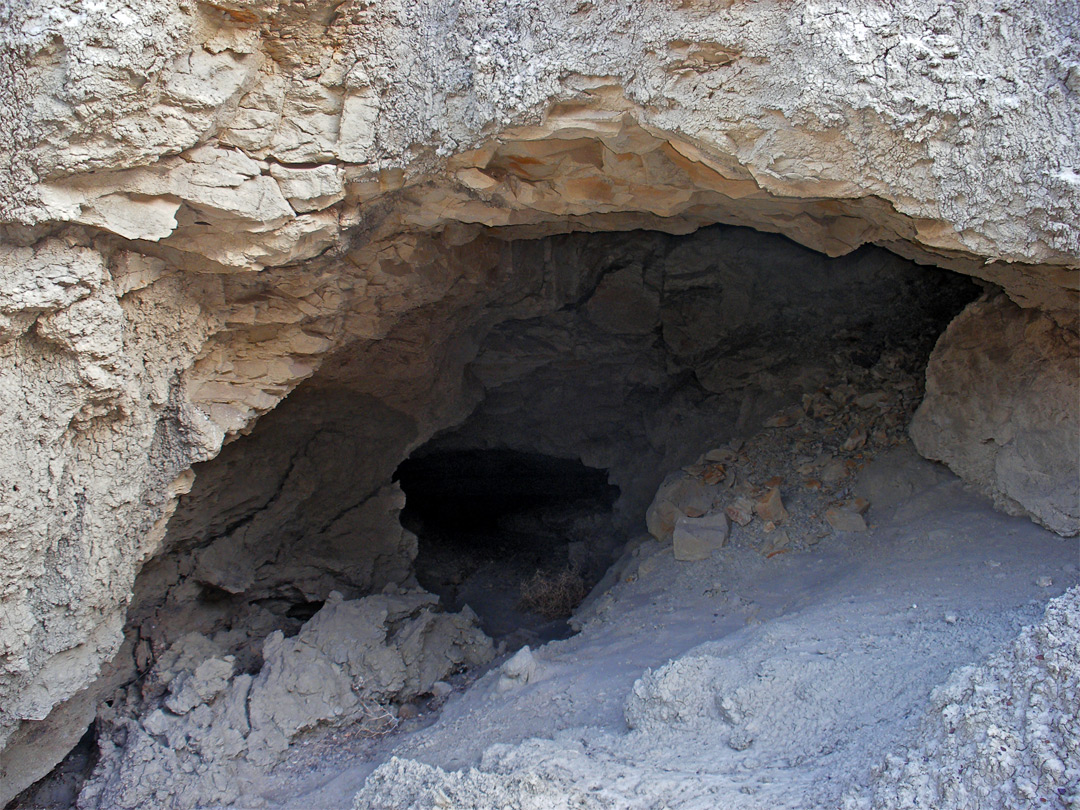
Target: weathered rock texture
{"points": [[997, 735], [625, 351], [200, 201], [189, 733], [1002, 409]]}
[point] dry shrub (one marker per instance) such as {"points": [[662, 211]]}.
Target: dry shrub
{"points": [[553, 595], [377, 720]]}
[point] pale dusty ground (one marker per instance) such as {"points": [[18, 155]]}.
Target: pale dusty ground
{"points": [[794, 676]]}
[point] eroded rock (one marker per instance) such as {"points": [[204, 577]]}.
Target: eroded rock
{"points": [[845, 520], [1002, 409], [262, 181], [680, 496], [214, 727], [697, 538]]}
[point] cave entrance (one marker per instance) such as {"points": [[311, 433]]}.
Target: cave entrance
{"points": [[544, 403], [543, 406], [519, 537]]}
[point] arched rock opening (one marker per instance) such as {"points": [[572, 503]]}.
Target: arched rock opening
{"points": [[594, 362], [625, 352]]}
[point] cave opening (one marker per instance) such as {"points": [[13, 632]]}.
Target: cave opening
{"points": [[518, 537], [499, 450]]}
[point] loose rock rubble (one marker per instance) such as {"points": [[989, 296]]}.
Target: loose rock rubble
{"points": [[825, 699], [195, 729], [793, 483], [1003, 734]]}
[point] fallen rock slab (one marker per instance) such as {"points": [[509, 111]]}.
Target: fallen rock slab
{"points": [[697, 538], [680, 495], [845, 520]]}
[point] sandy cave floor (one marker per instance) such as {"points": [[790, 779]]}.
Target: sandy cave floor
{"points": [[828, 655]]}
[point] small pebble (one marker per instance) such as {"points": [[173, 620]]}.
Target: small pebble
{"points": [[1044, 582], [951, 618]]}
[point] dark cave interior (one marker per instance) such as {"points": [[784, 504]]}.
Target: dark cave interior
{"points": [[512, 535]]}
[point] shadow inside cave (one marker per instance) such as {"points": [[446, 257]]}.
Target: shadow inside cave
{"points": [[518, 537]]}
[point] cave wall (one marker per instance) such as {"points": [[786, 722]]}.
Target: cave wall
{"points": [[1001, 409], [687, 341], [200, 203], [628, 352]]}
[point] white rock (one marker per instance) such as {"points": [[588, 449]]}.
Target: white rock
{"points": [[310, 189], [517, 670]]}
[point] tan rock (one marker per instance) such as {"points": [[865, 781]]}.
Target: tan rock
{"points": [[856, 440], [680, 495], [785, 418], [697, 538], [866, 401], [845, 520], [779, 541], [833, 472], [1002, 410], [770, 507], [741, 511], [714, 474], [721, 455]]}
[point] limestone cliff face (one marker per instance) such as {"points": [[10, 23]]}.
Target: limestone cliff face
{"points": [[200, 202]]}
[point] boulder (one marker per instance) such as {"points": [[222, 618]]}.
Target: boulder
{"points": [[680, 495], [845, 520], [697, 538], [1002, 410]]}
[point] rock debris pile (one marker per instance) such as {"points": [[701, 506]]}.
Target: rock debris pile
{"points": [[195, 727], [798, 681], [1003, 734], [792, 483]]}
